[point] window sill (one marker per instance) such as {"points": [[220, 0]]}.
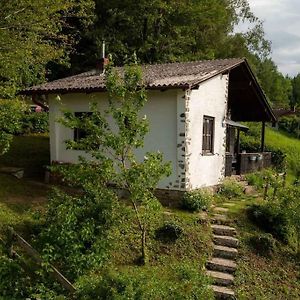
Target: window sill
{"points": [[207, 154]]}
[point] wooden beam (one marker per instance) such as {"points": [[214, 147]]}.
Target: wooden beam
{"points": [[35, 255], [238, 150], [263, 129]]}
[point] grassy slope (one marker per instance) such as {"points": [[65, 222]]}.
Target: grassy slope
{"points": [[288, 144], [21, 199], [30, 153], [259, 277]]}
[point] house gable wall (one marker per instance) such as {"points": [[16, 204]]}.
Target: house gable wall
{"points": [[165, 112], [210, 99]]}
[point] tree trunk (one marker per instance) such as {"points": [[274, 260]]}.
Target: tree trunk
{"points": [[144, 248]]}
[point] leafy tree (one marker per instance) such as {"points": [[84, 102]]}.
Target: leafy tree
{"points": [[11, 113], [277, 87], [295, 99], [75, 222], [164, 31], [34, 33]]}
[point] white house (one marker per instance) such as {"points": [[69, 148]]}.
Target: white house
{"points": [[193, 109]]}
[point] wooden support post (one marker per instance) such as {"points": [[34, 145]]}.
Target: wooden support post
{"points": [[238, 150], [263, 129]]}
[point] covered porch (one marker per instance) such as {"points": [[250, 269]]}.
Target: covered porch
{"points": [[246, 103]]}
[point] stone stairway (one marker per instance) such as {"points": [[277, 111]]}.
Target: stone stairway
{"points": [[221, 266]]}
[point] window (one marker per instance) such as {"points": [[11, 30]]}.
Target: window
{"points": [[208, 135], [80, 133]]}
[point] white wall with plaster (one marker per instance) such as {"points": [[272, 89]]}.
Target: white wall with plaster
{"points": [[210, 99], [161, 111]]}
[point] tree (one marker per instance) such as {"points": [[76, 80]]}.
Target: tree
{"points": [[11, 114], [166, 31], [113, 161], [295, 99], [277, 87], [34, 33]]}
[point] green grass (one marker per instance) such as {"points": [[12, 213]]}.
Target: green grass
{"points": [[19, 202], [259, 277], [288, 144], [29, 152]]}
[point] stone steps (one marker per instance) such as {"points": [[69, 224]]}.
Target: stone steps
{"points": [[221, 265], [220, 219], [222, 292], [227, 241], [223, 230], [225, 252], [221, 278]]}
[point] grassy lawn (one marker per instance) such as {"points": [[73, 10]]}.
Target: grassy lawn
{"points": [[259, 277], [28, 152]]}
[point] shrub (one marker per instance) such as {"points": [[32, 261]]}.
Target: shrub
{"points": [[263, 244], [230, 188], [13, 280], [169, 232], [197, 200], [270, 218], [35, 122]]}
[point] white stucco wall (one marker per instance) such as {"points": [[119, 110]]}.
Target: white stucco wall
{"points": [[162, 110], [209, 99]]}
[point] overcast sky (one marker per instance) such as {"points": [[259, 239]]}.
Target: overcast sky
{"points": [[282, 27]]}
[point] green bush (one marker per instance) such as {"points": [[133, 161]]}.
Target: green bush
{"points": [[182, 281], [169, 232], [35, 122], [231, 188], [13, 280], [197, 200], [263, 244], [270, 218]]}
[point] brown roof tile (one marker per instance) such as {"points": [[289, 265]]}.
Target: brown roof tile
{"points": [[170, 75]]}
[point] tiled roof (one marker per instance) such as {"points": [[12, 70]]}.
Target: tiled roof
{"points": [[158, 76]]}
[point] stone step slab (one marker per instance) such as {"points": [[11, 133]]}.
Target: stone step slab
{"points": [[223, 230], [225, 252], [220, 219], [220, 278], [227, 241], [221, 265], [228, 204], [222, 292], [221, 209]]}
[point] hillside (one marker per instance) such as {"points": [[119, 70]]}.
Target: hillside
{"points": [[289, 145]]}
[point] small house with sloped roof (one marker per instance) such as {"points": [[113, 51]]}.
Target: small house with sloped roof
{"points": [[194, 110]]}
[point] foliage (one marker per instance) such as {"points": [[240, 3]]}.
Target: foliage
{"points": [[197, 200], [264, 243], [295, 100], [271, 219], [231, 188], [76, 232], [11, 113], [181, 281], [13, 279], [277, 87], [169, 232], [290, 124], [85, 219], [35, 122], [34, 33]]}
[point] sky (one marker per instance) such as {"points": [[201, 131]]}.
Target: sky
{"points": [[282, 27]]}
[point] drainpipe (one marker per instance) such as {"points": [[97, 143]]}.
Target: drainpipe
{"points": [[39, 103], [263, 129]]}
